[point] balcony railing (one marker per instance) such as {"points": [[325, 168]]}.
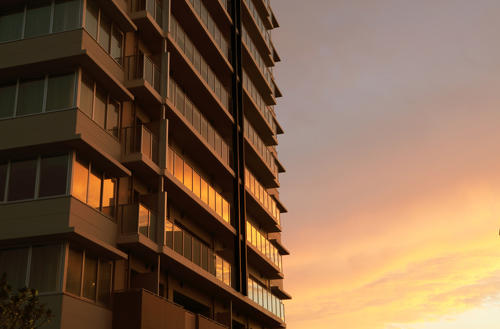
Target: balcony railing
{"points": [[137, 218], [259, 294], [261, 195], [140, 139], [259, 241], [197, 252], [151, 6], [142, 67]]}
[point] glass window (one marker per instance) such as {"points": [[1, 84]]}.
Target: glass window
{"points": [[22, 180], [87, 95], [144, 217], [74, 271], [170, 161], [196, 252], [218, 204], [90, 277], [37, 18], [178, 240], [225, 210], [178, 167], [116, 44], [7, 98], [91, 18], [14, 263], [211, 197], [105, 33], [44, 268], [94, 195], [61, 92], [53, 176], [3, 180], [100, 108], [187, 246], [204, 190], [169, 238], [66, 15], [11, 24], [196, 184], [204, 257], [105, 274], [227, 273], [30, 97], [80, 180], [188, 176], [112, 118], [108, 196], [218, 267]]}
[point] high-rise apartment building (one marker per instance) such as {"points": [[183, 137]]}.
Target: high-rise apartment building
{"points": [[138, 164]]}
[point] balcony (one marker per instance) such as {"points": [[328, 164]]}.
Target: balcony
{"points": [[138, 224], [148, 16], [141, 150], [141, 309], [143, 79]]}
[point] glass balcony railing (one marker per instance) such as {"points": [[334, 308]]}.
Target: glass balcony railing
{"points": [[259, 294], [185, 173], [196, 251], [140, 139], [256, 56], [151, 6], [200, 64], [137, 218], [142, 67], [198, 121], [259, 241], [211, 26], [262, 149], [260, 193], [260, 24], [259, 101]]}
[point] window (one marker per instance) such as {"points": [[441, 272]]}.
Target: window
{"points": [[91, 18], [87, 95], [105, 33], [11, 23], [80, 180], [94, 191], [7, 99], [60, 92], [37, 18], [3, 180], [22, 180], [90, 277], [96, 282], [53, 176], [74, 271], [66, 15], [101, 28], [99, 106], [14, 263], [89, 184], [37, 267], [45, 268], [30, 99]]}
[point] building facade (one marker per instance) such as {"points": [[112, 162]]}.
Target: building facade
{"points": [[138, 164]]}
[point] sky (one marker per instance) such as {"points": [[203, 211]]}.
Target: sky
{"points": [[391, 112]]}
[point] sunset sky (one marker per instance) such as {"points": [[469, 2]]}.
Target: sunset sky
{"points": [[391, 112]]}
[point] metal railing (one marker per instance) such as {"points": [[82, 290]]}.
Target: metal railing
{"points": [[142, 67], [151, 6], [140, 139]]}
